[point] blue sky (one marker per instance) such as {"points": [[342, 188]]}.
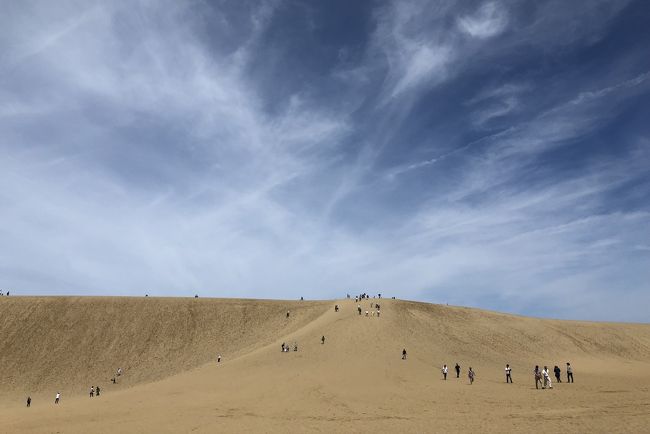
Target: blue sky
{"points": [[492, 154]]}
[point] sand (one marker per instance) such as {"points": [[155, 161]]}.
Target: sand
{"points": [[355, 382]]}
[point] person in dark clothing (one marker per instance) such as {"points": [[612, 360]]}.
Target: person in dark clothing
{"points": [[404, 354], [557, 373], [29, 401], [457, 370], [569, 373], [538, 377], [508, 374], [322, 340], [97, 390]]}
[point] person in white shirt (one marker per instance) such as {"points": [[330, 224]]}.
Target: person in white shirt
{"points": [[58, 396], [444, 371], [547, 378], [508, 374]]}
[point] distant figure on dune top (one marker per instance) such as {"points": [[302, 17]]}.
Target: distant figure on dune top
{"points": [[457, 370], [57, 398], [288, 313], [404, 354], [508, 374], [196, 295], [359, 308], [471, 375], [569, 373]]}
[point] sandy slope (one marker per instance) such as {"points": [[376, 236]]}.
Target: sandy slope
{"points": [[355, 382]]}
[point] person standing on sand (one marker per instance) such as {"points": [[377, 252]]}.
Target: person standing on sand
{"points": [[97, 389], [547, 378], [29, 401], [322, 340], [457, 370], [508, 374], [557, 371], [218, 358], [444, 371], [470, 375], [569, 373], [538, 377], [57, 398], [288, 313], [92, 391], [404, 354]]}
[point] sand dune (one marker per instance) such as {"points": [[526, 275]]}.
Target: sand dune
{"points": [[355, 382]]}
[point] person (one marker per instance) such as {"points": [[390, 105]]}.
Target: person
{"points": [[302, 299], [322, 340], [113, 380], [538, 377], [378, 312], [508, 374], [547, 378], [336, 308], [97, 390], [119, 372], [569, 373], [92, 391], [295, 346], [404, 354], [366, 313], [283, 347], [57, 398], [287, 314], [557, 371], [359, 308], [457, 368], [379, 295], [444, 371], [29, 401], [470, 375], [196, 295], [218, 358]]}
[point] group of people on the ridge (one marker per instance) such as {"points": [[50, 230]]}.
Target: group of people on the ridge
{"points": [[1, 294], [286, 348]]}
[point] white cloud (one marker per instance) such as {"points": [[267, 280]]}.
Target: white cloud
{"points": [[488, 21]]}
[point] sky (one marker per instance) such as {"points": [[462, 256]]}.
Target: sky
{"points": [[491, 154]]}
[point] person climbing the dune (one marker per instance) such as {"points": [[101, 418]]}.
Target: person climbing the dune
{"points": [[457, 368], [404, 354], [322, 340], [538, 377], [471, 375], [569, 373]]}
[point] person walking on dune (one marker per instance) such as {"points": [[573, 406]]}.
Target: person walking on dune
{"points": [[359, 308], [457, 368], [322, 340], [557, 372], [29, 401], [547, 378], [218, 358], [538, 377], [92, 391], [97, 390], [508, 374], [471, 375], [57, 398], [569, 373], [444, 371], [404, 354], [288, 313]]}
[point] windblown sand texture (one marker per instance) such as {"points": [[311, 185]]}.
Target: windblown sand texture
{"points": [[355, 382]]}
